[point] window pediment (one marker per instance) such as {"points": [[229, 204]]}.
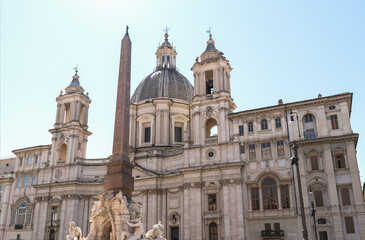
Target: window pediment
{"points": [[179, 118], [145, 118]]}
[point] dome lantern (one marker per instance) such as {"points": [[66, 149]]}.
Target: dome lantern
{"points": [[166, 54]]}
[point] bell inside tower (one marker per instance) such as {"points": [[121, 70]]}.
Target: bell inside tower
{"points": [[209, 82]]}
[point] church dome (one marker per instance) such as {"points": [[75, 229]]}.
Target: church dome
{"points": [[164, 83]]}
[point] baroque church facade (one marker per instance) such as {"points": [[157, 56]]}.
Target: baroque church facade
{"points": [[205, 171]]}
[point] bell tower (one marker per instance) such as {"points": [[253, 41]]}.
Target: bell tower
{"points": [[212, 100], [211, 74], [70, 132]]}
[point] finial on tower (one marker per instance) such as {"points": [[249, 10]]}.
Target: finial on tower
{"points": [[126, 30], [210, 32], [75, 69], [166, 30]]}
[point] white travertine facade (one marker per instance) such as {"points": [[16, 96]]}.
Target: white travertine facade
{"points": [[205, 171]]}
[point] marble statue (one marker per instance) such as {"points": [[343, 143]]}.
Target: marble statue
{"points": [[114, 218], [156, 232], [98, 220], [138, 232], [74, 232]]}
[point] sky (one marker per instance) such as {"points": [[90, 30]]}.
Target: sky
{"points": [[290, 50]]}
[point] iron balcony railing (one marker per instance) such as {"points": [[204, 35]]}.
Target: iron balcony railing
{"points": [[310, 135], [272, 233]]}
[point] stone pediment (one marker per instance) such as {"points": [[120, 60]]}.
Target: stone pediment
{"points": [[139, 172], [211, 187]]}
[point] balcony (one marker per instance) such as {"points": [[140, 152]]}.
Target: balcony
{"points": [[310, 134], [272, 234], [18, 226]]}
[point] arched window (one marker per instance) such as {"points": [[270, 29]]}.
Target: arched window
{"points": [[250, 127], [20, 218], [264, 124], [269, 194], [211, 128], [67, 113], [209, 85], [168, 61], [63, 152], [213, 231], [82, 113], [278, 122]]}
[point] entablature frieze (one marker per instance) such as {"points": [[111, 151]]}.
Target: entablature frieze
{"points": [[74, 196], [43, 198]]}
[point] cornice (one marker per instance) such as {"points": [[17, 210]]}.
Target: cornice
{"points": [[39, 147], [297, 105], [349, 137]]}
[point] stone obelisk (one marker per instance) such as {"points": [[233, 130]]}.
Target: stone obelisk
{"points": [[119, 169]]}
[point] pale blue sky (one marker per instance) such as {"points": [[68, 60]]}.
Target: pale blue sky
{"points": [[278, 49]]}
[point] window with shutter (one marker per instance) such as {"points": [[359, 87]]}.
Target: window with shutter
{"points": [[334, 122], [318, 197], [314, 162], [255, 199], [285, 202], [240, 130], [267, 226], [277, 226], [345, 195], [349, 222]]}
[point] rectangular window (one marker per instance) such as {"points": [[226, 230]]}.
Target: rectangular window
{"points": [[345, 196], [252, 152], [334, 122], [29, 160], [36, 159], [323, 235], [349, 222], [26, 179], [178, 134], [281, 151], [250, 127], [318, 197], [29, 215], [147, 134], [20, 161], [277, 227], [242, 148], [54, 213], [314, 162], [309, 134], [285, 200], [255, 199], [212, 202], [174, 233], [267, 226], [340, 161], [240, 129], [34, 179], [18, 179], [266, 150], [278, 122], [13, 214]]}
